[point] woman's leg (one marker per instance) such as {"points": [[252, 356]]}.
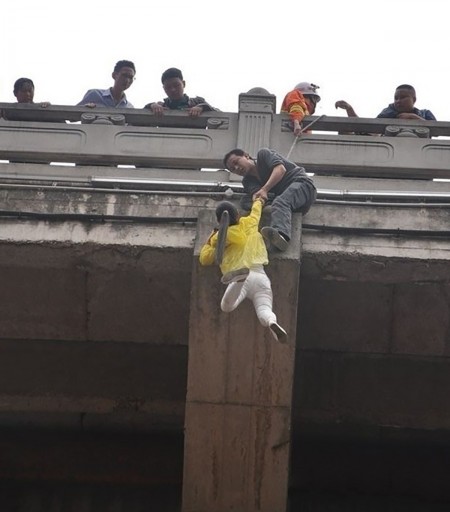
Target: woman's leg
{"points": [[261, 295], [234, 295]]}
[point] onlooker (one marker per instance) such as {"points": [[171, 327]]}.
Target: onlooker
{"points": [[347, 107], [24, 92], [292, 188], [300, 102], [403, 106], [123, 75], [243, 263], [350, 113], [173, 85]]}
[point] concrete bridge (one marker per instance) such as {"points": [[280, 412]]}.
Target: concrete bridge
{"points": [[122, 385]]}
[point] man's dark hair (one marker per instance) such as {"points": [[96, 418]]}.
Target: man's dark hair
{"points": [[124, 64], [407, 87], [235, 151], [230, 208], [20, 82], [171, 73]]}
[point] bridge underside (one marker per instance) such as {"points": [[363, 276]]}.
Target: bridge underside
{"points": [[94, 339]]}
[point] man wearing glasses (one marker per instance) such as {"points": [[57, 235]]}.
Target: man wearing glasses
{"points": [[123, 75]]}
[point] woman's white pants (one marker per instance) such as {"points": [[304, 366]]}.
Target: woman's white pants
{"points": [[256, 288]]}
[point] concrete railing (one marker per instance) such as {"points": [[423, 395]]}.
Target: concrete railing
{"points": [[337, 146]]}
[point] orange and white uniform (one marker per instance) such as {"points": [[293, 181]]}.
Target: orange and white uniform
{"points": [[294, 104]]}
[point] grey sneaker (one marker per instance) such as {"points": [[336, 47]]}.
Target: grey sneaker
{"points": [[278, 332], [234, 276], [275, 238]]}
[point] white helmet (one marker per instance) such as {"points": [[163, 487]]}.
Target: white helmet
{"points": [[308, 89]]}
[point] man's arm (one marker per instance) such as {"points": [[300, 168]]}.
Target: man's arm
{"points": [[198, 105], [89, 99], [198, 101], [157, 107], [347, 107], [276, 176], [251, 185]]}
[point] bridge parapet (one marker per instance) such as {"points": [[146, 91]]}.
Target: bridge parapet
{"points": [[74, 134]]}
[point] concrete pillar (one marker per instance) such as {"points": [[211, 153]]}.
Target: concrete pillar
{"points": [[238, 406]]}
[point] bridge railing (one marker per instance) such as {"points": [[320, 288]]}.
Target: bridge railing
{"points": [[110, 137]]}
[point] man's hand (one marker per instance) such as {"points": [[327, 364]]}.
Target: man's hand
{"points": [[261, 194], [408, 115], [297, 127], [195, 111], [157, 109], [342, 104]]}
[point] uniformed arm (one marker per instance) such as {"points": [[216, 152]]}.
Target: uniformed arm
{"points": [[295, 105]]}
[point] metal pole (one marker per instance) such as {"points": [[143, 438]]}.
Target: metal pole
{"points": [[303, 130]]}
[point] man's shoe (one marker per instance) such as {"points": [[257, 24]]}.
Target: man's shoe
{"points": [[275, 238], [278, 332], [235, 276]]}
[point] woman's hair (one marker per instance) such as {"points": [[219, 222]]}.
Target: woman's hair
{"points": [[226, 206]]}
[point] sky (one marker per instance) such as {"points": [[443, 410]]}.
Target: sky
{"points": [[355, 50]]}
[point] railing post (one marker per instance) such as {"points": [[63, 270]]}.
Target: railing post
{"points": [[256, 110]]}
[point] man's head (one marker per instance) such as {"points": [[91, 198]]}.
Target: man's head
{"points": [[239, 162], [404, 98], [173, 83], [24, 90], [231, 209], [123, 74], [309, 92]]}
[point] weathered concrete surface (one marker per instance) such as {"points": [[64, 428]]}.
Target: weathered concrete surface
{"points": [[127, 282], [95, 326], [93, 333], [238, 406]]}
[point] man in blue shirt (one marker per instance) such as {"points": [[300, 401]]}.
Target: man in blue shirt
{"points": [[403, 106], [114, 97]]}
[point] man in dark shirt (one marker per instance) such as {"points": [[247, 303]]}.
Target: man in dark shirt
{"points": [[403, 106], [173, 85], [292, 188]]}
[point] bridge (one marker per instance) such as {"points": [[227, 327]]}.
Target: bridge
{"points": [[123, 384]]}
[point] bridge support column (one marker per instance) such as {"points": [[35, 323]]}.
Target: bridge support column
{"points": [[238, 407]]}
